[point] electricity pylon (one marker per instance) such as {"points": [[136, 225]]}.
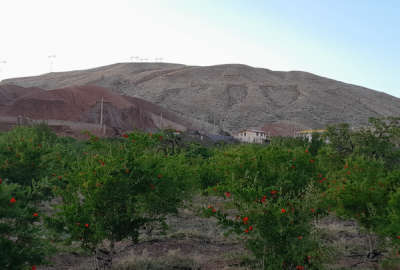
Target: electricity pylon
{"points": [[51, 57]]}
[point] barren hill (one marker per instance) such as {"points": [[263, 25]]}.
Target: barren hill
{"points": [[82, 104], [233, 96]]}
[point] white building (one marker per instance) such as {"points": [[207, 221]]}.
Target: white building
{"points": [[251, 136], [308, 133]]}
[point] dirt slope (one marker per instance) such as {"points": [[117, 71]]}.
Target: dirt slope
{"points": [[233, 96], [82, 104]]}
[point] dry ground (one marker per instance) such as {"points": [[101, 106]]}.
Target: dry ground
{"points": [[194, 242]]}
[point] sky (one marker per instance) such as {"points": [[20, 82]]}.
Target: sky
{"points": [[354, 41]]}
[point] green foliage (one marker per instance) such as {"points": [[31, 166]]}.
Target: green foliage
{"points": [[270, 190], [21, 235], [21, 152], [112, 192]]}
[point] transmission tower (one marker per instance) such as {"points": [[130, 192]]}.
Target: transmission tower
{"points": [[51, 58], [2, 62]]}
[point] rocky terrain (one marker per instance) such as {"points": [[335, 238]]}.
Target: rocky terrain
{"points": [[233, 96]]}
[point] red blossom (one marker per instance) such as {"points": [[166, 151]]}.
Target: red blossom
{"points": [[227, 194], [300, 237], [398, 237], [133, 141], [1, 180], [312, 161], [35, 214], [273, 192], [263, 198], [283, 210], [299, 267], [306, 151], [250, 228], [245, 220], [87, 225], [33, 267], [125, 135], [313, 210], [60, 177], [246, 231], [213, 210], [160, 138], [293, 167], [159, 176], [13, 200]]}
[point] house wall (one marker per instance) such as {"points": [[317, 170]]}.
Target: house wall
{"points": [[251, 137]]}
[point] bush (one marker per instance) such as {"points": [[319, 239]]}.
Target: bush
{"points": [[112, 192]]}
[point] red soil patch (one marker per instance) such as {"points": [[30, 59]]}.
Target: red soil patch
{"points": [[82, 104], [9, 93]]}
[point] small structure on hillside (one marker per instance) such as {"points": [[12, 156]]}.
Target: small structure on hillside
{"points": [[252, 136], [308, 133]]}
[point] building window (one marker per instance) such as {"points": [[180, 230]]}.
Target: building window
{"points": [[245, 134]]}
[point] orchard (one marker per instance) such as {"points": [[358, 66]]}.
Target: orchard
{"points": [[60, 191]]}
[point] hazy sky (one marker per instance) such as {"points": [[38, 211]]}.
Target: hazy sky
{"points": [[355, 41]]}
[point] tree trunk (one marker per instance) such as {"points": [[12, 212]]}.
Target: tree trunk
{"points": [[103, 259]]}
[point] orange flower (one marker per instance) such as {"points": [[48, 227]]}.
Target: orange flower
{"points": [[13, 200], [283, 210], [35, 214]]}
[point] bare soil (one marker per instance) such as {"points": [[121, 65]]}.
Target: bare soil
{"points": [[195, 242]]}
